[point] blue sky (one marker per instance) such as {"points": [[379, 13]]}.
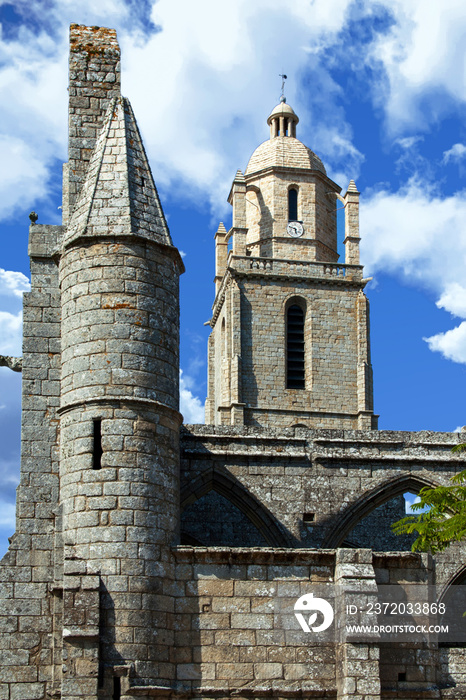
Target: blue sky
{"points": [[380, 90]]}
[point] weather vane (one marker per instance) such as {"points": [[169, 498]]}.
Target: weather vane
{"points": [[282, 95]]}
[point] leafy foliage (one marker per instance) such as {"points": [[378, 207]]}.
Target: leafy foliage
{"points": [[445, 520]]}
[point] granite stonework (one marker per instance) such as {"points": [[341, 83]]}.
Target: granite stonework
{"points": [[154, 560], [269, 268]]}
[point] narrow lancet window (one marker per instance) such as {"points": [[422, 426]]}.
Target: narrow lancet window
{"points": [[116, 688], [292, 204], [97, 451], [295, 378]]}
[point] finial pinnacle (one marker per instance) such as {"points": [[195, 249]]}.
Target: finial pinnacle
{"points": [[282, 95]]}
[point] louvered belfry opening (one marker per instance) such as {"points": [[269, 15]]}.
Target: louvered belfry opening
{"points": [[295, 378]]}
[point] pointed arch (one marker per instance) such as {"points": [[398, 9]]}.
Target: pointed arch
{"points": [[221, 481], [370, 500], [458, 578]]}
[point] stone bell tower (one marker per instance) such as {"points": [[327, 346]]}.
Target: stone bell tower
{"points": [[290, 326]]}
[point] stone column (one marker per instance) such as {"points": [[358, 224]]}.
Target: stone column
{"points": [[94, 71], [221, 255], [237, 199], [352, 238], [366, 418], [237, 407], [357, 663]]}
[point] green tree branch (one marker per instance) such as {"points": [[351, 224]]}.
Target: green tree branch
{"points": [[445, 520]]}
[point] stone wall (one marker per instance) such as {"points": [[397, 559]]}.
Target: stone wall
{"points": [[280, 478], [237, 631], [248, 361], [27, 571]]}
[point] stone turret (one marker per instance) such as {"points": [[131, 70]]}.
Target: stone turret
{"points": [[119, 391], [282, 120]]}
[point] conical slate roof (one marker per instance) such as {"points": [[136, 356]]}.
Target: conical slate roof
{"points": [[118, 196]]}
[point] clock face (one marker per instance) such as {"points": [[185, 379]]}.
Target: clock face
{"points": [[295, 229]]}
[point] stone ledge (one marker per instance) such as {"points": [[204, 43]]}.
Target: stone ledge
{"points": [[291, 690], [254, 555], [426, 438], [123, 401]]}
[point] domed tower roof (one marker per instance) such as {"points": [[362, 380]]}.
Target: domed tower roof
{"points": [[283, 148], [282, 109]]}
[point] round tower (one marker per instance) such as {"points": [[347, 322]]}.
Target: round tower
{"points": [[119, 415]]}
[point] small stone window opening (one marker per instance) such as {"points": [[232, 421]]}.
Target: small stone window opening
{"points": [[116, 688], [97, 447], [223, 340], [295, 376], [293, 204], [309, 517], [402, 676]]}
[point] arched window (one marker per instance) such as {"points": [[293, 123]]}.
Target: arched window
{"points": [[292, 204], [295, 378]]}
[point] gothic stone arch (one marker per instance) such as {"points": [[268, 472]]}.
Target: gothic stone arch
{"points": [[370, 500], [221, 481]]}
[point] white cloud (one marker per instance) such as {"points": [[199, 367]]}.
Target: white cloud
{"points": [[408, 142], [203, 107], [10, 333], [453, 299], [419, 235], [410, 499], [456, 153], [33, 85], [24, 174], [7, 515], [219, 82], [13, 283], [33, 117], [422, 56], [190, 406], [12, 286], [452, 343], [216, 65]]}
